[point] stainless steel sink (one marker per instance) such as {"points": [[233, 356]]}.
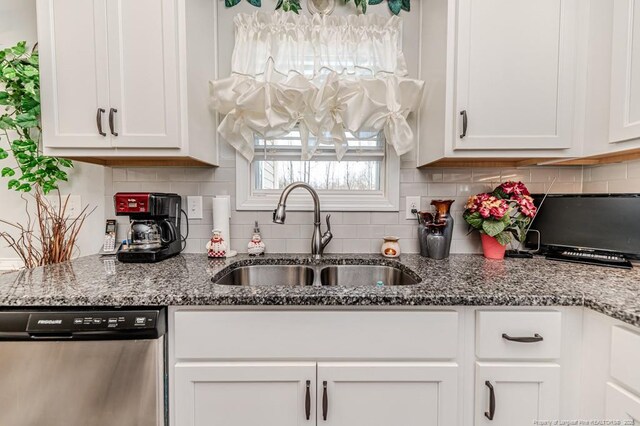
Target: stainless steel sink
{"points": [[362, 275], [268, 275]]}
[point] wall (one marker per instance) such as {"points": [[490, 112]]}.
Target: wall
{"points": [[613, 178], [18, 22], [353, 231]]}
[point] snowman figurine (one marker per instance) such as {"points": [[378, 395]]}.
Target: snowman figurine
{"points": [[216, 247], [256, 246]]}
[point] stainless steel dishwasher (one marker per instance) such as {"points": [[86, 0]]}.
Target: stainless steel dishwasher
{"points": [[82, 368]]}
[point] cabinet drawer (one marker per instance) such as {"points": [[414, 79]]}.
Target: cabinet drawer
{"points": [[513, 335], [625, 357], [258, 335]]}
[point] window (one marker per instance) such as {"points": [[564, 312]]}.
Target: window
{"points": [[368, 171], [277, 164]]}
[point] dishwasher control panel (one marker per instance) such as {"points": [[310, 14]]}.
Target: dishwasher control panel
{"points": [[85, 324], [43, 322]]}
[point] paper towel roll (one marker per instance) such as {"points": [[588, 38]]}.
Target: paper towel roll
{"points": [[221, 215]]}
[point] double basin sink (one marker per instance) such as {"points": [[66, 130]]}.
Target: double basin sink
{"points": [[325, 275]]}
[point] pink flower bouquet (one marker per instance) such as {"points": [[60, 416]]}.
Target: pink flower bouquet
{"points": [[504, 213]]}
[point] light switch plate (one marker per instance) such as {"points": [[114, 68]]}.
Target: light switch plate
{"points": [[194, 207], [412, 203]]}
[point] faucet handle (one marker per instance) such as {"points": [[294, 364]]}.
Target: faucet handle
{"points": [[327, 236]]}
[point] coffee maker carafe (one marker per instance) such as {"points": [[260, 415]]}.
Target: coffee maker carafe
{"points": [[154, 230]]}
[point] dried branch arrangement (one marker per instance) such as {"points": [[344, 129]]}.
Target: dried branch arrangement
{"points": [[49, 235]]}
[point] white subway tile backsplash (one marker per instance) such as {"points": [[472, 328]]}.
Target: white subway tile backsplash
{"points": [[356, 246], [119, 174], [370, 231], [490, 176], [356, 218], [383, 218], [442, 189], [456, 175], [517, 175], [357, 232], [595, 187], [609, 172], [146, 174], [633, 169], [624, 186], [545, 174]]}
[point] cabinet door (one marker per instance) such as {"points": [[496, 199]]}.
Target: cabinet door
{"points": [[241, 394], [72, 37], [383, 394], [515, 74], [143, 73], [624, 123], [522, 393], [622, 406]]}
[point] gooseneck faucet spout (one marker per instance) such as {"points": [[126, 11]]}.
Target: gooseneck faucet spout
{"points": [[319, 240]]}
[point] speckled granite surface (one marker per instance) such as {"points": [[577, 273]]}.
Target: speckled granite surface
{"points": [[459, 280]]}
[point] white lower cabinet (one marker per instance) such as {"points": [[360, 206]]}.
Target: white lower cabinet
{"points": [[516, 393], [383, 394], [293, 394], [622, 406], [245, 394]]}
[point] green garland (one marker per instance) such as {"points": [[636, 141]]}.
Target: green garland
{"points": [[294, 5]]}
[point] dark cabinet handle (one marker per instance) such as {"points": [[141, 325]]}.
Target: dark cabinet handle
{"points": [[99, 121], [325, 401], [464, 123], [492, 401], [536, 338], [307, 400], [112, 113]]}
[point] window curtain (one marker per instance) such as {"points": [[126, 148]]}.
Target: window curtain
{"points": [[328, 75]]}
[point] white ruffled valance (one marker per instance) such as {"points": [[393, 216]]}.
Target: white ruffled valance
{"points": [[329, 75]]}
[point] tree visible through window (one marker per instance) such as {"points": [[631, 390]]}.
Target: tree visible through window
{"points": [[277, 164]]}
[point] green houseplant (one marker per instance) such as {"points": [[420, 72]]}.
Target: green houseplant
{"points": [[20, 131], [48, 234]]}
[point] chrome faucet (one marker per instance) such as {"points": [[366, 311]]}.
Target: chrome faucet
{"points": [[319, 240]]}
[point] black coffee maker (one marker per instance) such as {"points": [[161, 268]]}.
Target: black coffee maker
{"points": [[154, 231]]}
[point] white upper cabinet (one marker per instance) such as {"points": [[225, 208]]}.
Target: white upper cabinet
{"points": [[515, 74], [143, 73], [126, 81], [503, 79], [624, 120], [74, 76]]}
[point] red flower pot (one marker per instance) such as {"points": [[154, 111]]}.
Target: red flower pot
{"points": [[491, 248]]}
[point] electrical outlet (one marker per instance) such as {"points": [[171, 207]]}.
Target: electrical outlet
{"points": [[194, 207], [74, 204], [412, 203]]}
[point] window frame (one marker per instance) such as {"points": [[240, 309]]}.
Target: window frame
{"points": [[385, 200]]}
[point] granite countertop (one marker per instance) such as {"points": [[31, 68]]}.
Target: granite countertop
{"points": [[459, 280]]}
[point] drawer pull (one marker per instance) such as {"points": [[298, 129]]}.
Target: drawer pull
{"points": [[535, 339], [492, 401], [325, 401], [307, 400]]}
